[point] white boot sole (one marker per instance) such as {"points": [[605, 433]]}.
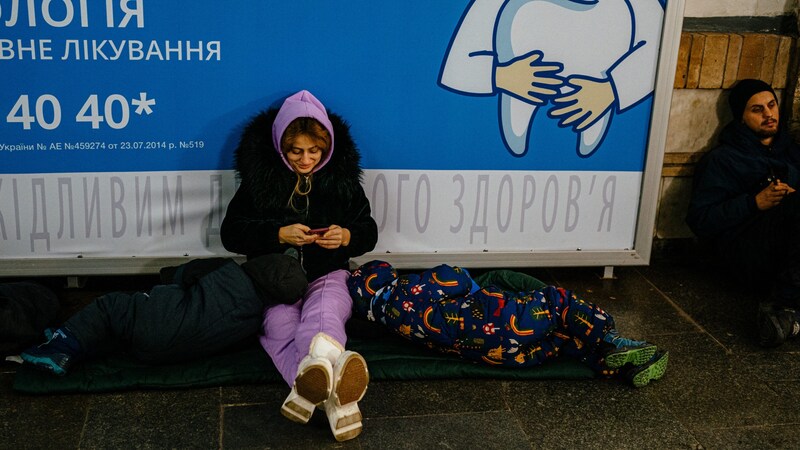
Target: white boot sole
{"points": [[350, 383], [311, 388]]}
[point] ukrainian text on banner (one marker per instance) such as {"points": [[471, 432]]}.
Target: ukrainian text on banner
{"points": [[179, 213], [484, 125]]}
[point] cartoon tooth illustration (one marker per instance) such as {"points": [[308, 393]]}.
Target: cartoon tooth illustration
{"points": [[585, 60]]}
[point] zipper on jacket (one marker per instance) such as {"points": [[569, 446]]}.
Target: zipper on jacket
{"points": [[300, 257]]}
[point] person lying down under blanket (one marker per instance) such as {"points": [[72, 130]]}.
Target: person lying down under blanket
{"points": [[444, 309]]}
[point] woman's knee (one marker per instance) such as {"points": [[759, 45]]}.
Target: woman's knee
{"points": [[280, 321]]}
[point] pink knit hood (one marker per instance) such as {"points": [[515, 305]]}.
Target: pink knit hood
{"points": [[301, 104]]}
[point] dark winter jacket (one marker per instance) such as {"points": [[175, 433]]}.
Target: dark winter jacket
{"points": [[728, 178], [259, 207], [276, 278], [203, 308]]}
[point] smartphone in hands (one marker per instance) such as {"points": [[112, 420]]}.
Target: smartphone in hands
{"points": [[318, 231]]}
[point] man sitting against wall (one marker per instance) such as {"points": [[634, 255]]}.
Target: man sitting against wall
{"points": [[744, 203]]}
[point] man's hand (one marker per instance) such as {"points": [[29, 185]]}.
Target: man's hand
{"points": [[771, 196]]}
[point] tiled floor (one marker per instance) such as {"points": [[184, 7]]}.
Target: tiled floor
{"points": [[721, 391]]}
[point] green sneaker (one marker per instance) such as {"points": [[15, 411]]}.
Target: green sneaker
{"points": [[639, 355], [654, 369]]}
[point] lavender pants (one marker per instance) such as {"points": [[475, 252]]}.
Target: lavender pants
{"points": [[288, 329]]}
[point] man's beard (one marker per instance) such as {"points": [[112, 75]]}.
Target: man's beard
{"points": [[766, 133]]}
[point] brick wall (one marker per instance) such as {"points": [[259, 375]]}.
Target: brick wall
{"points": [[718, 60]]}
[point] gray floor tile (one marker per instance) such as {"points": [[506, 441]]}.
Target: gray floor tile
{"points": [[751, 437], [154, 419], [779, 365], [263, 426], [711, 299], [707, 387], [416, 398], [271, 393], [480, 431], [24, 417], [639, 309], [595, 414], [790, 391]]}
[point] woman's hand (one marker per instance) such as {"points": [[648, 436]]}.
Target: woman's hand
{"points": [[334, 238], [296, 234]]}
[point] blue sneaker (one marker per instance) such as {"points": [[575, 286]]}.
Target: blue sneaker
{"points": [[57, 354]]}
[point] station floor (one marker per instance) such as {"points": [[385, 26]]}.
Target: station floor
{"points": [[721, 390]]}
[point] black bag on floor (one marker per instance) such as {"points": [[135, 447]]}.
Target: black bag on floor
{"points": [[26, 309]]}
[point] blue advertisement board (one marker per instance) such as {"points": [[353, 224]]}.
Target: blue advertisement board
{"points": [[483, 124]]}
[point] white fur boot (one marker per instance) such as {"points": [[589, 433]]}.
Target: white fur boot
{"points": [[350, 379], [312, 387], [324, 346], [314, 381]]}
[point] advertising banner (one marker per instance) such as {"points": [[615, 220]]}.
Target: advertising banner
{"points": [[485, 126]]}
